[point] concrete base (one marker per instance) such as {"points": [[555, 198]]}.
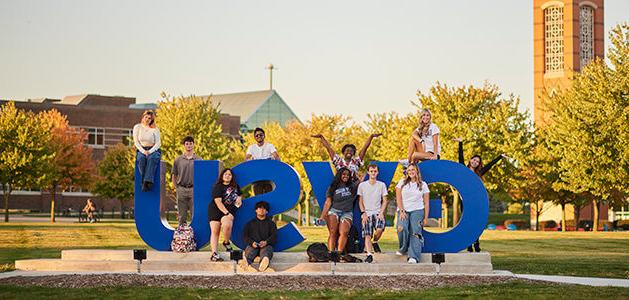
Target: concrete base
{"points": [[121, 261]]}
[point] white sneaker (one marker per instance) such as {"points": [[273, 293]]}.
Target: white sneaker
{"points": [[264, 264], [412, 261]]}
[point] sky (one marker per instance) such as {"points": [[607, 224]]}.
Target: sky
{"points": [[345, 57]]}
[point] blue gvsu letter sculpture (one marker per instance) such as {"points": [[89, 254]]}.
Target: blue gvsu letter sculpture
{"points": [[156, 232]]}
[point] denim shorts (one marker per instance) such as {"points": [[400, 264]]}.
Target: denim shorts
{"points": [[341, 214]]}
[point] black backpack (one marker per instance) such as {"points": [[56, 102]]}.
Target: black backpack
{"points": [[353, 241], [318, 252]]}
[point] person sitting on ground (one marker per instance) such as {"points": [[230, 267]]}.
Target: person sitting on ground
{"points": [[372, 200], [412, 195], [424, 142], [261, 150], [146, 139], [89, 209], [348, 161], [260, 236], [227, 199], [338, 210]]}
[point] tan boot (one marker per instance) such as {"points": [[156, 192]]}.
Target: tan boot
{"points": [[264, 264]]}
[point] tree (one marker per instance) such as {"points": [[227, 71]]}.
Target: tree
{"points": [[22, 151], [71, 163], [489, 124], [589, 121], [116, 172], [198, 117]]}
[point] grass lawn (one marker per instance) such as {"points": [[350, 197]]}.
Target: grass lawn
{"points": [[594, 254], [510, 290]]}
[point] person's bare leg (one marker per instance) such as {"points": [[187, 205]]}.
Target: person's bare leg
{"points": [[226, 226], [215, 226], [377, 235], [344, 227], [368, 244], [333, 229]]}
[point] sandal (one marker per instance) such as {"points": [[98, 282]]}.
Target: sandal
{"points": [[228, 246], [215, 257]]}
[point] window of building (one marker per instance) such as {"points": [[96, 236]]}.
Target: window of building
{"points": [[553, 39], [586, 18], [95, 136]]}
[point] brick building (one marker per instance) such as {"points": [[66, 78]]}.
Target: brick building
{"points": [[108, 121]]}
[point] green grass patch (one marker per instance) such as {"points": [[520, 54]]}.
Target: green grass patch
{"points": [[510, 290], [591, 254]]}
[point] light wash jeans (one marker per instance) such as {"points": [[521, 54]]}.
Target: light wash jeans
{"points": [[146, 165], [409, 233]]}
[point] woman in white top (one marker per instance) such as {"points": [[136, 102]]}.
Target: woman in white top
{"points": [[424, 143], [411, 195], [146, 140]]}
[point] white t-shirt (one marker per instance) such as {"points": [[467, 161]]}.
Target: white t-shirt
{"points": [[372, 196], [263, 152], [428, 142], [412, 196]]}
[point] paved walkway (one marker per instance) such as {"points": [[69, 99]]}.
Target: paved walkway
{"points": [[591, 281]]}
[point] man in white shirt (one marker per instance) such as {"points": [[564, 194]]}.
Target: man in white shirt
{"points": [[261, 150], [372, 200]]}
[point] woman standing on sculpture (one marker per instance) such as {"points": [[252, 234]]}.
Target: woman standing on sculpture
{"points": [[411, 195], [475, 164], [227, 198], [338, 209], [348, 160], [424, 142], [146, 139]]}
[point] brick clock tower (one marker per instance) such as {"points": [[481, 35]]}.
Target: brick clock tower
{"points": [[567, 35]]}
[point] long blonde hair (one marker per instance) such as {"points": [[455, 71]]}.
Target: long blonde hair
{"points": [[408, 178], [423, 128]]}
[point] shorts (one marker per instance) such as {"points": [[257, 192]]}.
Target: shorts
{"points": [[215, 214], [349, 215], [373, 224]]}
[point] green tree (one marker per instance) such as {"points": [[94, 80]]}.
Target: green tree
{"points": [[489, 124], [589, 126], [23, 152], [116, 172], [198, 117], [71, 163]]}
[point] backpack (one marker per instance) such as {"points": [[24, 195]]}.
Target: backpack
{"points": [[353, 241], [318, 252], [183, 239]]}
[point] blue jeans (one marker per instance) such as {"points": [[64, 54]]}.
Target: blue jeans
{"points": [[146, 165], [409, 233]]}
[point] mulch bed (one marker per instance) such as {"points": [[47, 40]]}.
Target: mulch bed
{"points": [[258, 283]]}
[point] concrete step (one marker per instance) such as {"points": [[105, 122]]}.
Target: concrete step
{"points": [[285, 257]]}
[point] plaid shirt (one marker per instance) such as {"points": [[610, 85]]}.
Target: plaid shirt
{"points": [[353, 165]]}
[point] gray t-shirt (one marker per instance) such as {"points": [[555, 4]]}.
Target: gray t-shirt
{"points": [[183, 168], [343, 197]]}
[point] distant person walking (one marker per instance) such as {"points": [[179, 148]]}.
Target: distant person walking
{"points": [[89, 210], [146, 139], [261, 150], [183, 179]]}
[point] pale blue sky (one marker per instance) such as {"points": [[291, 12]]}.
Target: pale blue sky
{"points": [[349, 57]]}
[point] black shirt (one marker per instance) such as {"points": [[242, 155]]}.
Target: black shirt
{"points": [[260, 230], [228, 195]]}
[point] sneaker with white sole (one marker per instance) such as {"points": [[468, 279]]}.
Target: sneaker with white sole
{"points": [[412, 260], [264, 264], [369, 258]]}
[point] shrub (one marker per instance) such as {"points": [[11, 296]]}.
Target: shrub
{"points": [[519, 224]]}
